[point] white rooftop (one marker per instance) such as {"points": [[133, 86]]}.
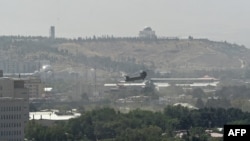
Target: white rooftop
{"points": [[51, 115], [48, 89], [216, 135], [187, 105]]}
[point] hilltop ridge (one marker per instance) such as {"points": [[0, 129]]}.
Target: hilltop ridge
{"points": [[110, 53]]}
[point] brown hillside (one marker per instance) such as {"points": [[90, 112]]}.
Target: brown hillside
{"points": [[167, 54]]}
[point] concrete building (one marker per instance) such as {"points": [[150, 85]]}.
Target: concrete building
{"points": [[52, 32], [204, 82], [147, 33], [17, 66], [14, 109], [35, 87], [32, 82]]}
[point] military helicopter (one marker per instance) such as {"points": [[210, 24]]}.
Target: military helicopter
{"points": [[142, 76], [129, 81]]}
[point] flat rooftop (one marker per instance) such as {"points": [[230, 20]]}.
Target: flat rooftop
{"points": [[51, 115]]}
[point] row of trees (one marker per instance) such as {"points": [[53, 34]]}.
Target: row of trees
{"points": [[108, 124]]}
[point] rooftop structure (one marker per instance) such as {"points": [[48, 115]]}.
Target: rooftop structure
{"points": [[52, 115], [49, 117], [187, 105]]}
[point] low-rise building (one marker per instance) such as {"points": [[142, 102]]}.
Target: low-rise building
{"points": [[186, 83], [49, 117]]}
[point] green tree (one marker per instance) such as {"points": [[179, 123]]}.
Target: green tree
{"points": [[198, 93], [151, 133], [199, 103]]}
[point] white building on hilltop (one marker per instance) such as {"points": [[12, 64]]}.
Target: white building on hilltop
{"points": [[147, 33], [14, 109]]}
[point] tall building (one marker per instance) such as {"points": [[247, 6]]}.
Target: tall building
{"points": [[14, 109], [35, 87], [52, 32]]}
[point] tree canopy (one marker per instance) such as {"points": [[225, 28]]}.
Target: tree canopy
{"points": [[109, 124]]}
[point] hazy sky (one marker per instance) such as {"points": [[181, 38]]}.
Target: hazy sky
{"points": [[218, 20]]}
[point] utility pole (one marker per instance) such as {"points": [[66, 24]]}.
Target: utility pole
{"points": [[95, 79]]}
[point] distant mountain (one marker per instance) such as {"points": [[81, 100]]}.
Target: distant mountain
{"points": [[126, 53]]}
